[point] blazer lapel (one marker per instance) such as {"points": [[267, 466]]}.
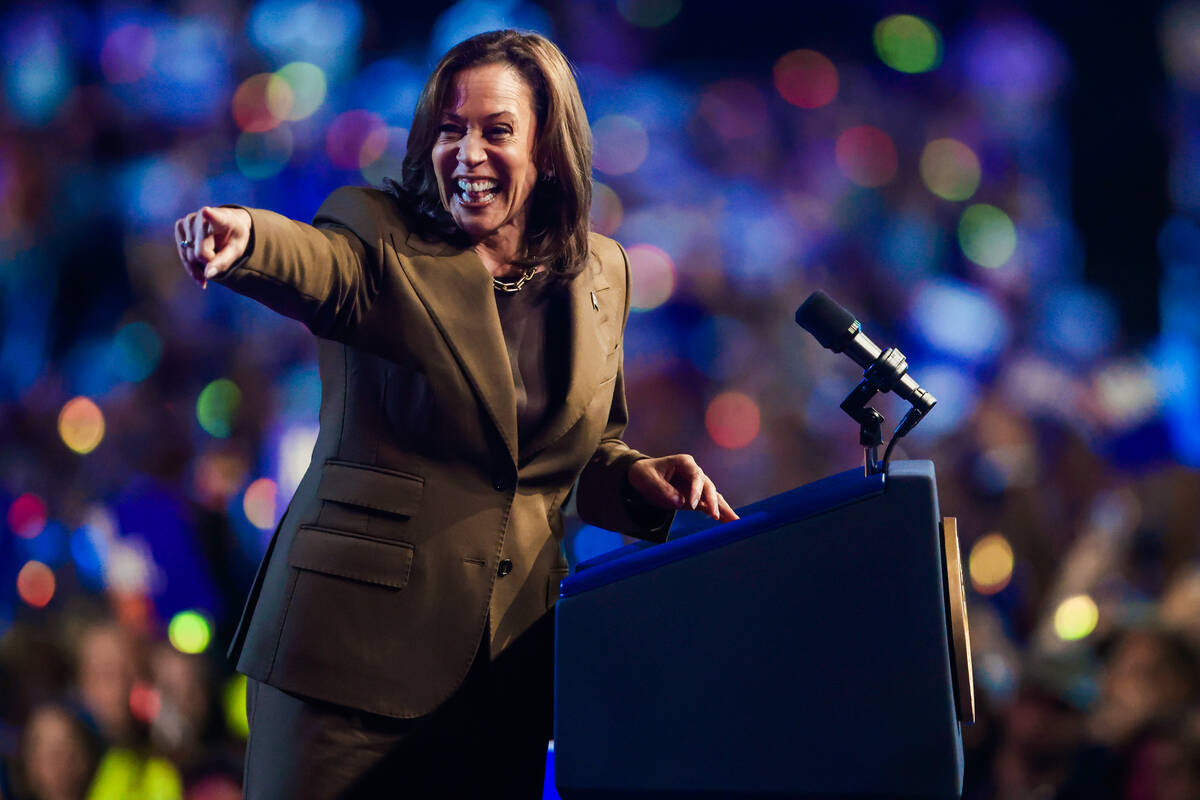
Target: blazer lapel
{"points": [[590, 328], [455, 288]]}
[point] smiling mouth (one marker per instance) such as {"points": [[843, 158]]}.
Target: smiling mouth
{"points": [[476, 192]]}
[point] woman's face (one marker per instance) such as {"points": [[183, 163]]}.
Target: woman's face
{"points": [[483, 156]]}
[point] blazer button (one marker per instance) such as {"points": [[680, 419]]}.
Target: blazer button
{"points": [[504, 568], [500, 485]]}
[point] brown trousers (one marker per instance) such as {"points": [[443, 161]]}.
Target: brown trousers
{"points": [[488, 740]]}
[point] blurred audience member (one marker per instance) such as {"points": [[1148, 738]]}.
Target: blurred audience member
{"points": [[106, 669], [59, 753], [1149, 675], [1043, 731]]}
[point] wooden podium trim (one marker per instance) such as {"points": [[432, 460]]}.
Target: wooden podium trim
{"points": [[960, 631]]}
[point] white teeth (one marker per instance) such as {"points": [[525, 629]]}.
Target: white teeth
{"points": [[476, 186]]}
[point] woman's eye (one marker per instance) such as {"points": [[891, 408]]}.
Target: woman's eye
{"points": [[447, 128], [499, 131]]}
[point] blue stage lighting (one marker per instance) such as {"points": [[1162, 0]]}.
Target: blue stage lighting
{"points": [[959, 320], [469, 17], [38, 74], [322, 32], [1077, 321], [389, 88]]}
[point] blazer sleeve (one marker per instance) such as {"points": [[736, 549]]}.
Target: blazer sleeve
{"points": [[604, 496], [325, 275]]}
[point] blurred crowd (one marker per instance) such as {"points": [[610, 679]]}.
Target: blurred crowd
{"points": [[151, 433], [108, 713]]}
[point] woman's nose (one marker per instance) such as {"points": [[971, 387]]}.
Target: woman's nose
{"points": [[470, 150]]}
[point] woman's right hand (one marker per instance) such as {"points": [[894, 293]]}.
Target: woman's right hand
{"points": [[211, 240]]}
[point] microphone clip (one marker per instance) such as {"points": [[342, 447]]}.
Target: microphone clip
{"points": [[882, 376]]}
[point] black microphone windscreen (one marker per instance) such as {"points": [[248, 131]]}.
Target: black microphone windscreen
{"points": [[826, 320]]}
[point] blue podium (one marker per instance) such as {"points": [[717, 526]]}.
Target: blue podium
{"points": [[815, 648]]}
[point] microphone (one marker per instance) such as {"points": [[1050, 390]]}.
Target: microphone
{"points": [[837, 330]]}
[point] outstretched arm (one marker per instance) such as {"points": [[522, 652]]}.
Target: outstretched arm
{"points": [[325, 276]]}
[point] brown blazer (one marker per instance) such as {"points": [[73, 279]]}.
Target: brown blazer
{"points": [[377, 584]]}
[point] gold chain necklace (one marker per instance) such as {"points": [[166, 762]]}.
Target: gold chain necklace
{"points": [[511, 287]]}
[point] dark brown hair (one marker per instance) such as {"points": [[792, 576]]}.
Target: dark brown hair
{"points": [[557, 232]]}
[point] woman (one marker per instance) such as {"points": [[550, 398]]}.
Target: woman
{"points": [[470, 352]]}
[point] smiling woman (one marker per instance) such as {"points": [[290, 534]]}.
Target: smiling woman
{"points": [[483, 158], [401, 627], [539, 135]]}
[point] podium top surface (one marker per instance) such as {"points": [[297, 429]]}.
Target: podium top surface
{"points": [[800, 503]]}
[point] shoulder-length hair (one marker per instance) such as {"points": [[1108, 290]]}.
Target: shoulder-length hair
{"points": [[557, 228]]}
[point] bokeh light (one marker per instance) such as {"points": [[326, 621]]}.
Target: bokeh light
{"points": [[390, 88], [27, 516], [322, 32], [1126, 393], [81, 425], [89, 551], [1076, 618], [391, 160], [907, 43], [127, 53], [145, 702], [50, 546], [263, 155], [607, 211], [950, 169], [735, 109], [1016, 62], [722, 347], [137, 349], [356, 139], [259, 503], [189, 632], [912, 246], [1077, 321], [866, 155], [469, 17], [216, 407], [293, 456], [251, 109], [295, 91], [278, 98], [957, 392], [38, 74], [35, 584], [987, 235], [621, 144], [188, 80], [959, 319], [732, 420], [153, 189], [806, 78], [652, 274], [233, 702], [991, 564], [649, 13]]}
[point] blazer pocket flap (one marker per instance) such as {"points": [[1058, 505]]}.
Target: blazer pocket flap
{"points": [[367, 560], [371, 487]]}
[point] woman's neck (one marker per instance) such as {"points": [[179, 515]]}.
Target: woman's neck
{"points": [[498, 251]]}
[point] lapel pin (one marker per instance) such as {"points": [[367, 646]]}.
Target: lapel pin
{"points": [[595, 305]]}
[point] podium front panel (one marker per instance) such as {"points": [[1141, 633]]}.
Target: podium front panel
{"points": [[801, 652]]}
